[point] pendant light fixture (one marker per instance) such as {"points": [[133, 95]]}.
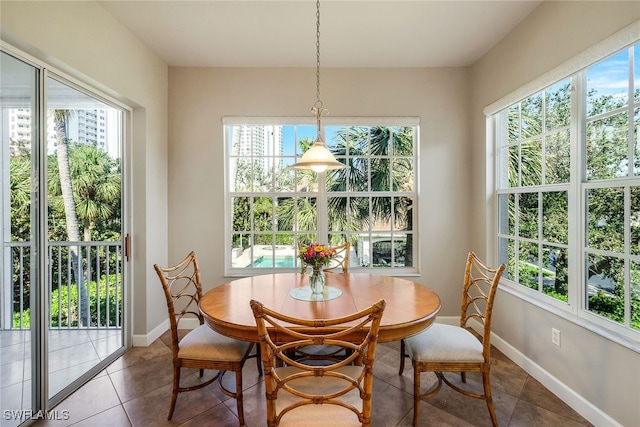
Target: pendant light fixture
{"points": [[318, 158]]}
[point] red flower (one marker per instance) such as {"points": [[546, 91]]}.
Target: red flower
{"points": [[317, 255]]}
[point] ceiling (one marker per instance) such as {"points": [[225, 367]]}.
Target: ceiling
{"points": [[354, 33]]}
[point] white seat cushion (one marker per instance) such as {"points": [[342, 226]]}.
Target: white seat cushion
{"points": [[204, 343], [319, 415], [440, 343]]}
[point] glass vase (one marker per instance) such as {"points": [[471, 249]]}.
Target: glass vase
{"points": [[316, 281]]}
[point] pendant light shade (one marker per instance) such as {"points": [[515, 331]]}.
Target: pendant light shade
{"points": [[318, 158]]}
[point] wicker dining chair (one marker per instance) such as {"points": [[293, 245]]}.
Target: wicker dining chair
{"points": [[338, 393], [342, 259], [447, 348], [201, 348]]}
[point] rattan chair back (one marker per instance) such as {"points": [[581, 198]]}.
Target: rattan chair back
{"points": [[297, 392], [201, 348]]}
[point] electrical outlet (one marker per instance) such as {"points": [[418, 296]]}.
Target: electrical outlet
{"points": [[555, 336]]}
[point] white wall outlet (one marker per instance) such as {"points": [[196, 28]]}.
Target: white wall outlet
{"points": [[555, 336]]}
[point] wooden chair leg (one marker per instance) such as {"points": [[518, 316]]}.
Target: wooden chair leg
{"points": [[488, 398], [402, 357], [259, 358], [174, 393], [239, 396], [416, 395]]}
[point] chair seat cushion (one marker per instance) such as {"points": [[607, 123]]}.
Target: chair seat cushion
{"points": [[440, 343], [321, 414], [206, 344]]}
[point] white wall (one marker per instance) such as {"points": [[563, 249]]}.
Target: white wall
{"points": [[82, 39], [588, 368], [200, 97]]}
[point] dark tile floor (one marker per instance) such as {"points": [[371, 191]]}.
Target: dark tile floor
{"points": [[135, 390]]}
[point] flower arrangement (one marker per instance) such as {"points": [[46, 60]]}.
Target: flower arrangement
{"points": [[316, 255]]}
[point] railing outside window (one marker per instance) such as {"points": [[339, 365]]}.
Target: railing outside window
{"points": [[84, 285]]}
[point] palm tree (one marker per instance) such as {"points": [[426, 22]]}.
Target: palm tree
{"points": [[96, 186], [20, 196], [96, 181], [380, 155], [20, 202], [60, 119], [389, 170], [299, 213]]}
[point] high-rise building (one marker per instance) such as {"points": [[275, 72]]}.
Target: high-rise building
{"points": [[256, 141], [261, 145], [19, 124], [98, 127]]}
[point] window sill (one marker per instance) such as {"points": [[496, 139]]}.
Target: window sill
{"points": [[381, 272]]}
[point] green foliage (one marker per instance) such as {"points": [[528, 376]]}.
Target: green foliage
{"points": [[241, 221], [297, 213], [262, 214], [553, 282], [529, 275], [611, 306], [538, 135], [552, 293], [25, 316], [64, 305], [20, 196], [97, 180], [607, 306], [97, 192]]}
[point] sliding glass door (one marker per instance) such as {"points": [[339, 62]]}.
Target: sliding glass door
{"points": [[19, 99], [63, 262], [84, 232]]}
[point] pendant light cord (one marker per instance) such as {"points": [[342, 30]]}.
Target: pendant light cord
{"points": [[317, 107], [318, 102], [318, 157]]}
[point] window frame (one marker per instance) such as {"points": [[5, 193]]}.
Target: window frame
{"points": [[329, 122], [576, 308]]}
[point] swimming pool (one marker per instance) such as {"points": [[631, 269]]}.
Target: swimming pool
{"points": [[267, 261]]}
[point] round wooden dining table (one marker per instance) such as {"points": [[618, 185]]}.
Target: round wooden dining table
{"points": [[410, 306]]}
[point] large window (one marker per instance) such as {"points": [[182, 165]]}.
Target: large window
{"points": [[534, 177], [271, 208], [568, 192]]}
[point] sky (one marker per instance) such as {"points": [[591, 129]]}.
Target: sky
{"points": [[302, 132], [611, 76]]}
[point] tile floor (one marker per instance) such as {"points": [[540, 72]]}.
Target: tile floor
{"points": [[135, 390]]}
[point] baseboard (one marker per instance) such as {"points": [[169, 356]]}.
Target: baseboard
{"points": [[146, 340], [154, 334], [579, 404]]}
